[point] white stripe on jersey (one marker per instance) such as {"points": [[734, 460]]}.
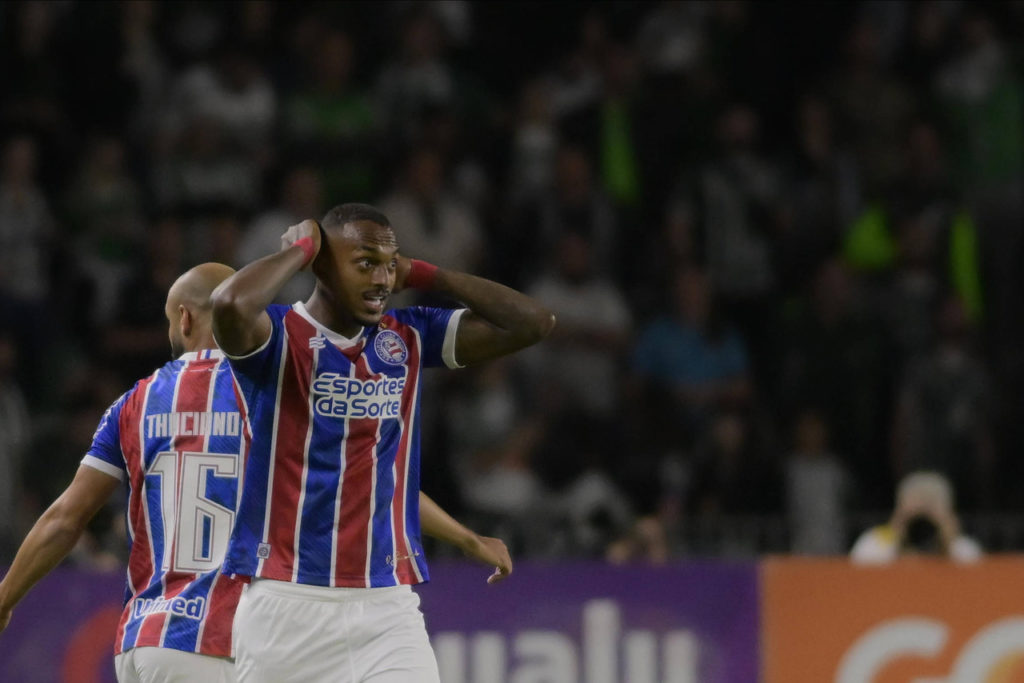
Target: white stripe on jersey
{"points": [[273, 444], [169, 547], [305, 470]]}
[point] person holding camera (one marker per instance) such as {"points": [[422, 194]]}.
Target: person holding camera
{"points": [[923, 522]]}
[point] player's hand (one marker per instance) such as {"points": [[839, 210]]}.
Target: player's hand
{"points": [[5, 618], [307, 229], [490, 551], [401, 272]]}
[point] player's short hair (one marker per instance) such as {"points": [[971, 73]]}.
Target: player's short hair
{"points": [[347, 213]]}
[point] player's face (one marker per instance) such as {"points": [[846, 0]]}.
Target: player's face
{"points": [[365, 258]]}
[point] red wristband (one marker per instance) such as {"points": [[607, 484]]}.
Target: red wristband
{"points": [[421, 274], [306, 245]]}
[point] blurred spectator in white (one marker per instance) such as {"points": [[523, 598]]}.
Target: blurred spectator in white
{"points": [[944, 414], [419, 80], [924, 522], [738, 191], [691, 353], [15, 435], [231, 93], [492, 441], [329, 121], [432, 223], [872, 107], [579, 366], [577, 81], [203, 171], [26, 226], [671, 38], [983, 102], [301, 197], [105, 211], [534, 146], [816, 487]]}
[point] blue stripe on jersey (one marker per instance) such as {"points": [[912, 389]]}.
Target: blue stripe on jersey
{"points": [[385, 544], [316, 539]]}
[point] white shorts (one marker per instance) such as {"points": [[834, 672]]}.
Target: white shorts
{"points": [[292, 633], [164, 665]]}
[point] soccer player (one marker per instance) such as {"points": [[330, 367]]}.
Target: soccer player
{"points": [[176, 438], [327, 528]]}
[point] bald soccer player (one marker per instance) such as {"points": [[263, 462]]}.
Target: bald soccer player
{"points": [[177, 435]]}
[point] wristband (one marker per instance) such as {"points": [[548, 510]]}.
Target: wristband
{"points": [[421, 274], [306, 245]]}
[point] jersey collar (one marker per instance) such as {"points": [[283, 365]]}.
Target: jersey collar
{"points": [[339, 340], [201, 355]]}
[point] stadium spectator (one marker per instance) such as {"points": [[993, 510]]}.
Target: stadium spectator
{"points": [[579, 366], [816, 490], [943, 412], [693, 354], [924, 522]]}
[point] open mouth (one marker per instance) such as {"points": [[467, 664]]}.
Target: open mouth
{"points": [[375, 300]]}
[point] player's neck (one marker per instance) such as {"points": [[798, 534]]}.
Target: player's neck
{"points": [[325, 312]]}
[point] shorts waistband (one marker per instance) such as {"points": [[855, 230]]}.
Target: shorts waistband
{"points": [[301, 591]]}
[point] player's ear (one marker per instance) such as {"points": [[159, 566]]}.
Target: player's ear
{"points": [[185, 320]]}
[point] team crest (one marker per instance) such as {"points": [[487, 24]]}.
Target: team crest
{"points": [[390, 348]]}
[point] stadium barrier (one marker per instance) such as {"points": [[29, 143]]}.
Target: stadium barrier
{"points": [[782, 620]]}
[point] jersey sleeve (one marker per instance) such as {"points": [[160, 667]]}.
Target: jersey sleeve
{"points": [[438, 328], [257, 363], [105, 452]]}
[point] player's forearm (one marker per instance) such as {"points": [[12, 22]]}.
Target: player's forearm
{"points": [[51, 539], [437, 523], [521, 320]]}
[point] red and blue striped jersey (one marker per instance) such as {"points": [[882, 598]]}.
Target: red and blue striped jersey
{"points": [[177, 438], [331, 484]]}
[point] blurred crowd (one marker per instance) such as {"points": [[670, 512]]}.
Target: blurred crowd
{"points": [[782, 240]]}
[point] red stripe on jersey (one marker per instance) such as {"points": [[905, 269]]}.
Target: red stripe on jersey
{"points": [[356, 495], [220, 613], [193, 396], [292, 425], [140, 563], [404, 565]]}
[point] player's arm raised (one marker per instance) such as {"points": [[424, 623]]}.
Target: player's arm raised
{"points": [[240, 321], [437, 523], [499, 321], [54, 534]]}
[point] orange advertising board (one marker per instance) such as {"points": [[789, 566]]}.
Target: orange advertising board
{"points": [[919, 621]]}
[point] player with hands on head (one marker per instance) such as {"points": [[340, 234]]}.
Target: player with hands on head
{"points": [[144, 649], [325, 529]]}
